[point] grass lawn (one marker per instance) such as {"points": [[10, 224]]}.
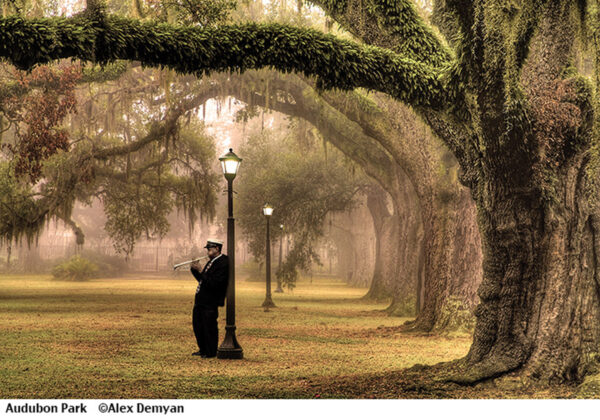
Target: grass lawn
{"points": [[132, 338]]}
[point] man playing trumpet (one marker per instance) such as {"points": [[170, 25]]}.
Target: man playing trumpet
{"points": [[210, 294]]}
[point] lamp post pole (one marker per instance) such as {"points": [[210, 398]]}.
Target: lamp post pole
{"points": [[279, 289], [268, 303], [230, 348]]}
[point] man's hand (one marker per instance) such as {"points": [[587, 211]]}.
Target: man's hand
{"points": [[196, 266]]}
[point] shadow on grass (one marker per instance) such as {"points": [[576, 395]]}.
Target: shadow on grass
{"points": [[273, 334], [416, 382]]}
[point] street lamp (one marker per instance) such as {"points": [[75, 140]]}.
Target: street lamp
{"points": [[230, 348], [267, 210], [279, 289], [268, 303]]}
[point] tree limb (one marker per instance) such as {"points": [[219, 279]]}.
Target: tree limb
{"points": [[336, 63], [393, 24]]}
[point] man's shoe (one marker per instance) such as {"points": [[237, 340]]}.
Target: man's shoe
{"points": [[206, 356], [198, 353]]}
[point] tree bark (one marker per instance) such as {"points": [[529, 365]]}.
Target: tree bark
{"points": [[540, 298], [451, 251], [405, 234], [453, 269]]}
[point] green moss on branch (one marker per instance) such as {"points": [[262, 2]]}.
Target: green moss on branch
{"points": [[397, 21], [334, 62]]}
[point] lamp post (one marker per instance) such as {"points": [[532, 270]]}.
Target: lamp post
{"points": [[268, 303], [279, 289], [230, 348]]}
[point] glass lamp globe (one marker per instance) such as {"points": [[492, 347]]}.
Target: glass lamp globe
{"points": [[230, 163], [267, 210]]}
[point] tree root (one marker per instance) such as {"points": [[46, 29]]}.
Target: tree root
{"points": [[414, 326], [490, 367], [425, 381], [589, 388], [401, 307]]}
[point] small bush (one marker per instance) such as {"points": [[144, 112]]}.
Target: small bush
{"points": [[77, 268], [108, 265]]}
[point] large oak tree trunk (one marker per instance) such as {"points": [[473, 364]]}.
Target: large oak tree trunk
{"points": [[450, 252], [540, 297]]}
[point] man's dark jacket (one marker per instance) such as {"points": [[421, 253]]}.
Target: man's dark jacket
{"points": [[213, 288]]}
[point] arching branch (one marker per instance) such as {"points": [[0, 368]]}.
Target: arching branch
{"points": [[366, 26], [160, 129], [336, 63]]}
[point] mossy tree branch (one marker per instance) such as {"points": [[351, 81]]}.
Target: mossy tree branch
{"points": [[334, 62], [362, 22], [396, 23]]}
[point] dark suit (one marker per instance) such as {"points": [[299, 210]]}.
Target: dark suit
{"points": [[210, 294]]}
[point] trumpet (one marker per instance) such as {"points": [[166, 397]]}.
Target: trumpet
{"points": [[176, 266]]}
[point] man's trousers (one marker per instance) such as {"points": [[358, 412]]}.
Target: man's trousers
{"points": [[204, 321]]}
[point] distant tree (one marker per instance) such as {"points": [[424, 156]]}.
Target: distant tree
{"points": [[130, 161], [142, 158], [303, 183]]}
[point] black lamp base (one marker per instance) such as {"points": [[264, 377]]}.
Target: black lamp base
{"points": [[230, 348]]}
